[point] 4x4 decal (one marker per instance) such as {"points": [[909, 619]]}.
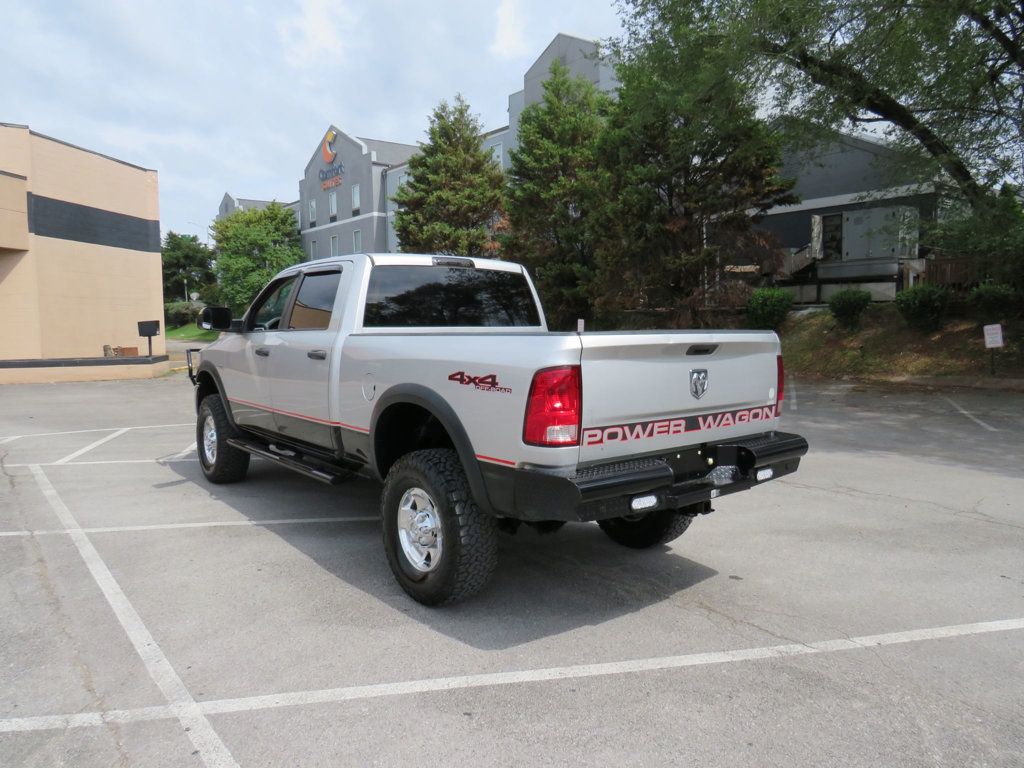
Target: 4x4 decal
{"points": [[487, 382]]}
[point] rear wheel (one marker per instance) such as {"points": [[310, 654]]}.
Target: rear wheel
{"points": [[221, 462], [647, 529], [440, 545]]}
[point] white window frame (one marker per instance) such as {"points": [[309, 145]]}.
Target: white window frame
{"points": [[312, 211], [332, 202], [356, 198], [312, 250], [334, 245], [498, 151], [357, 241]]}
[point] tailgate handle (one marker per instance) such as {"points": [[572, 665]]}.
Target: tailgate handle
{"points": [[701, 349]]}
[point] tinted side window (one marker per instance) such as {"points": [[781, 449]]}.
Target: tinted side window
{"points": [[453, 297], [266, 315], [314, 302]]}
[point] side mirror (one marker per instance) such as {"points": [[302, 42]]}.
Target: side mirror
{"points": [[215, 319]]}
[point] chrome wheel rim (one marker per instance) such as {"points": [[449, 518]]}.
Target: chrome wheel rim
{"points": [[209, 440], [419, 530]]}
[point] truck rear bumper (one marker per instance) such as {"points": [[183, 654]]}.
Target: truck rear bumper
{"points": [[608, 490]]}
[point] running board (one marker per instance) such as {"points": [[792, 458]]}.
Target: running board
{"points": [[296, 465]]}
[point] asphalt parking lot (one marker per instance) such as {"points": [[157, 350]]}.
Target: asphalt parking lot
{"points": [[867, 611]]}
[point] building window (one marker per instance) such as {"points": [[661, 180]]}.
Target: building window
{"points": [[355, 200], [832, 237], [497, 151], [312, 250], [357, 241], [312, 213], [332, 204], [334, 245]]}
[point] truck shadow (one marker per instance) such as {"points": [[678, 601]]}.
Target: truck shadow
{"points": [[545, 585]]}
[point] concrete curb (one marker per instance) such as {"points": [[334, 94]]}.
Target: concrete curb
{"points": [[983, 382]]}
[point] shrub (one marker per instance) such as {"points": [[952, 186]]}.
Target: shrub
{"points": [[179, 313], [848, 305], [993, 302], [767, 308], [923, 306]]}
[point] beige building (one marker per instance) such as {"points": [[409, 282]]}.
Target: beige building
{"points": [[79, 262]]}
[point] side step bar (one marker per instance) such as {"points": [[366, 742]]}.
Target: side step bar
{"points": [[296, 465]]}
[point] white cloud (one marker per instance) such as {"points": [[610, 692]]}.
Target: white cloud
{"points": [[509, 32], [321, 30]]}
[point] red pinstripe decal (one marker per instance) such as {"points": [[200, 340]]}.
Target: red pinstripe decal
{"points": [[300, 416], [495, 461]]}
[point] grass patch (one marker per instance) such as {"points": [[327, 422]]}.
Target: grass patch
{"points": [[883, 347], [191, 332]]}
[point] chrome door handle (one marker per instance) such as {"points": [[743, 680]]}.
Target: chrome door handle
{"points": [[316, 354], [262, 351]]}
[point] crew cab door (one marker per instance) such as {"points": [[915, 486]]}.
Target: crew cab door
{"points": [[246, 375], [300, 359]]}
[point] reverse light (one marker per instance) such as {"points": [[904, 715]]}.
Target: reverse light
{"points": [[554, 407], [765, 474], [781, 381], [640, 503]]}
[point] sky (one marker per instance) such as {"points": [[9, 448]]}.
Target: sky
{"points": [[234, 97]]}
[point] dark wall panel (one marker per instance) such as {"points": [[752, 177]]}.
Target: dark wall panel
{"points": [[48, 217]]}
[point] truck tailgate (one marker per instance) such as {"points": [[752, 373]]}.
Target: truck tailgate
{"points": [[637, 396]]}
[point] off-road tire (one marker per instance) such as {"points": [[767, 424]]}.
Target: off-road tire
{"points": [[470, 536], [658, 527], [230, 464]]}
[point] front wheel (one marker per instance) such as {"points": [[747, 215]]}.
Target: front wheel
{"points": [[221, 463], [440, 545], [647, 529]]}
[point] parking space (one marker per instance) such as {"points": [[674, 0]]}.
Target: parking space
{"points": [[867, 610]]}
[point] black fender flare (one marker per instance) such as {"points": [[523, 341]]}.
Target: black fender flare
{"points": [[438, 407], [209, 368]]}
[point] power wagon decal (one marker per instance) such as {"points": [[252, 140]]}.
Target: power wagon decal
{"points": [[488, 383], [645, 430]]}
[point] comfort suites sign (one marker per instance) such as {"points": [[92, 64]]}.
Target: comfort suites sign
{"points": [[332, 175]]}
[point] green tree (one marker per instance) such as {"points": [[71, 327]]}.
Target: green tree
{"points": [[186, 266], [942, 78], [555, 186], [689, 166], [251, 247], [453, 196], [991, 235]]}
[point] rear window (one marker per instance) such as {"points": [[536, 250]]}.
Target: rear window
{"points": [[452, 297]]}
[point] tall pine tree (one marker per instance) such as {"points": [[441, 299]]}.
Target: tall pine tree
{"points": [[688, 162], [555, 183], [454, 193]]}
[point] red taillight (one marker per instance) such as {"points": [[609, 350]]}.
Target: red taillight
{"points": [[780, 386], [554, 407]]}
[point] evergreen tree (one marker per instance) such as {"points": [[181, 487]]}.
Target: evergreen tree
{"points": [[688, 162], [555, 183], [454, 193], [251, 247]]}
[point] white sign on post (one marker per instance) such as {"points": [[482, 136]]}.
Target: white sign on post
{"points": [[993, 336]]}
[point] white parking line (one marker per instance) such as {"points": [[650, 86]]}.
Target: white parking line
{"points": [[83, 431], [209, 524], [171, 460], [970, 416], [211, 749], [363, 692], [90, 446]]}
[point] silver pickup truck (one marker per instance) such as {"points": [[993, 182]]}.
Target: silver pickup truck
{"points": [[437, 375]]}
